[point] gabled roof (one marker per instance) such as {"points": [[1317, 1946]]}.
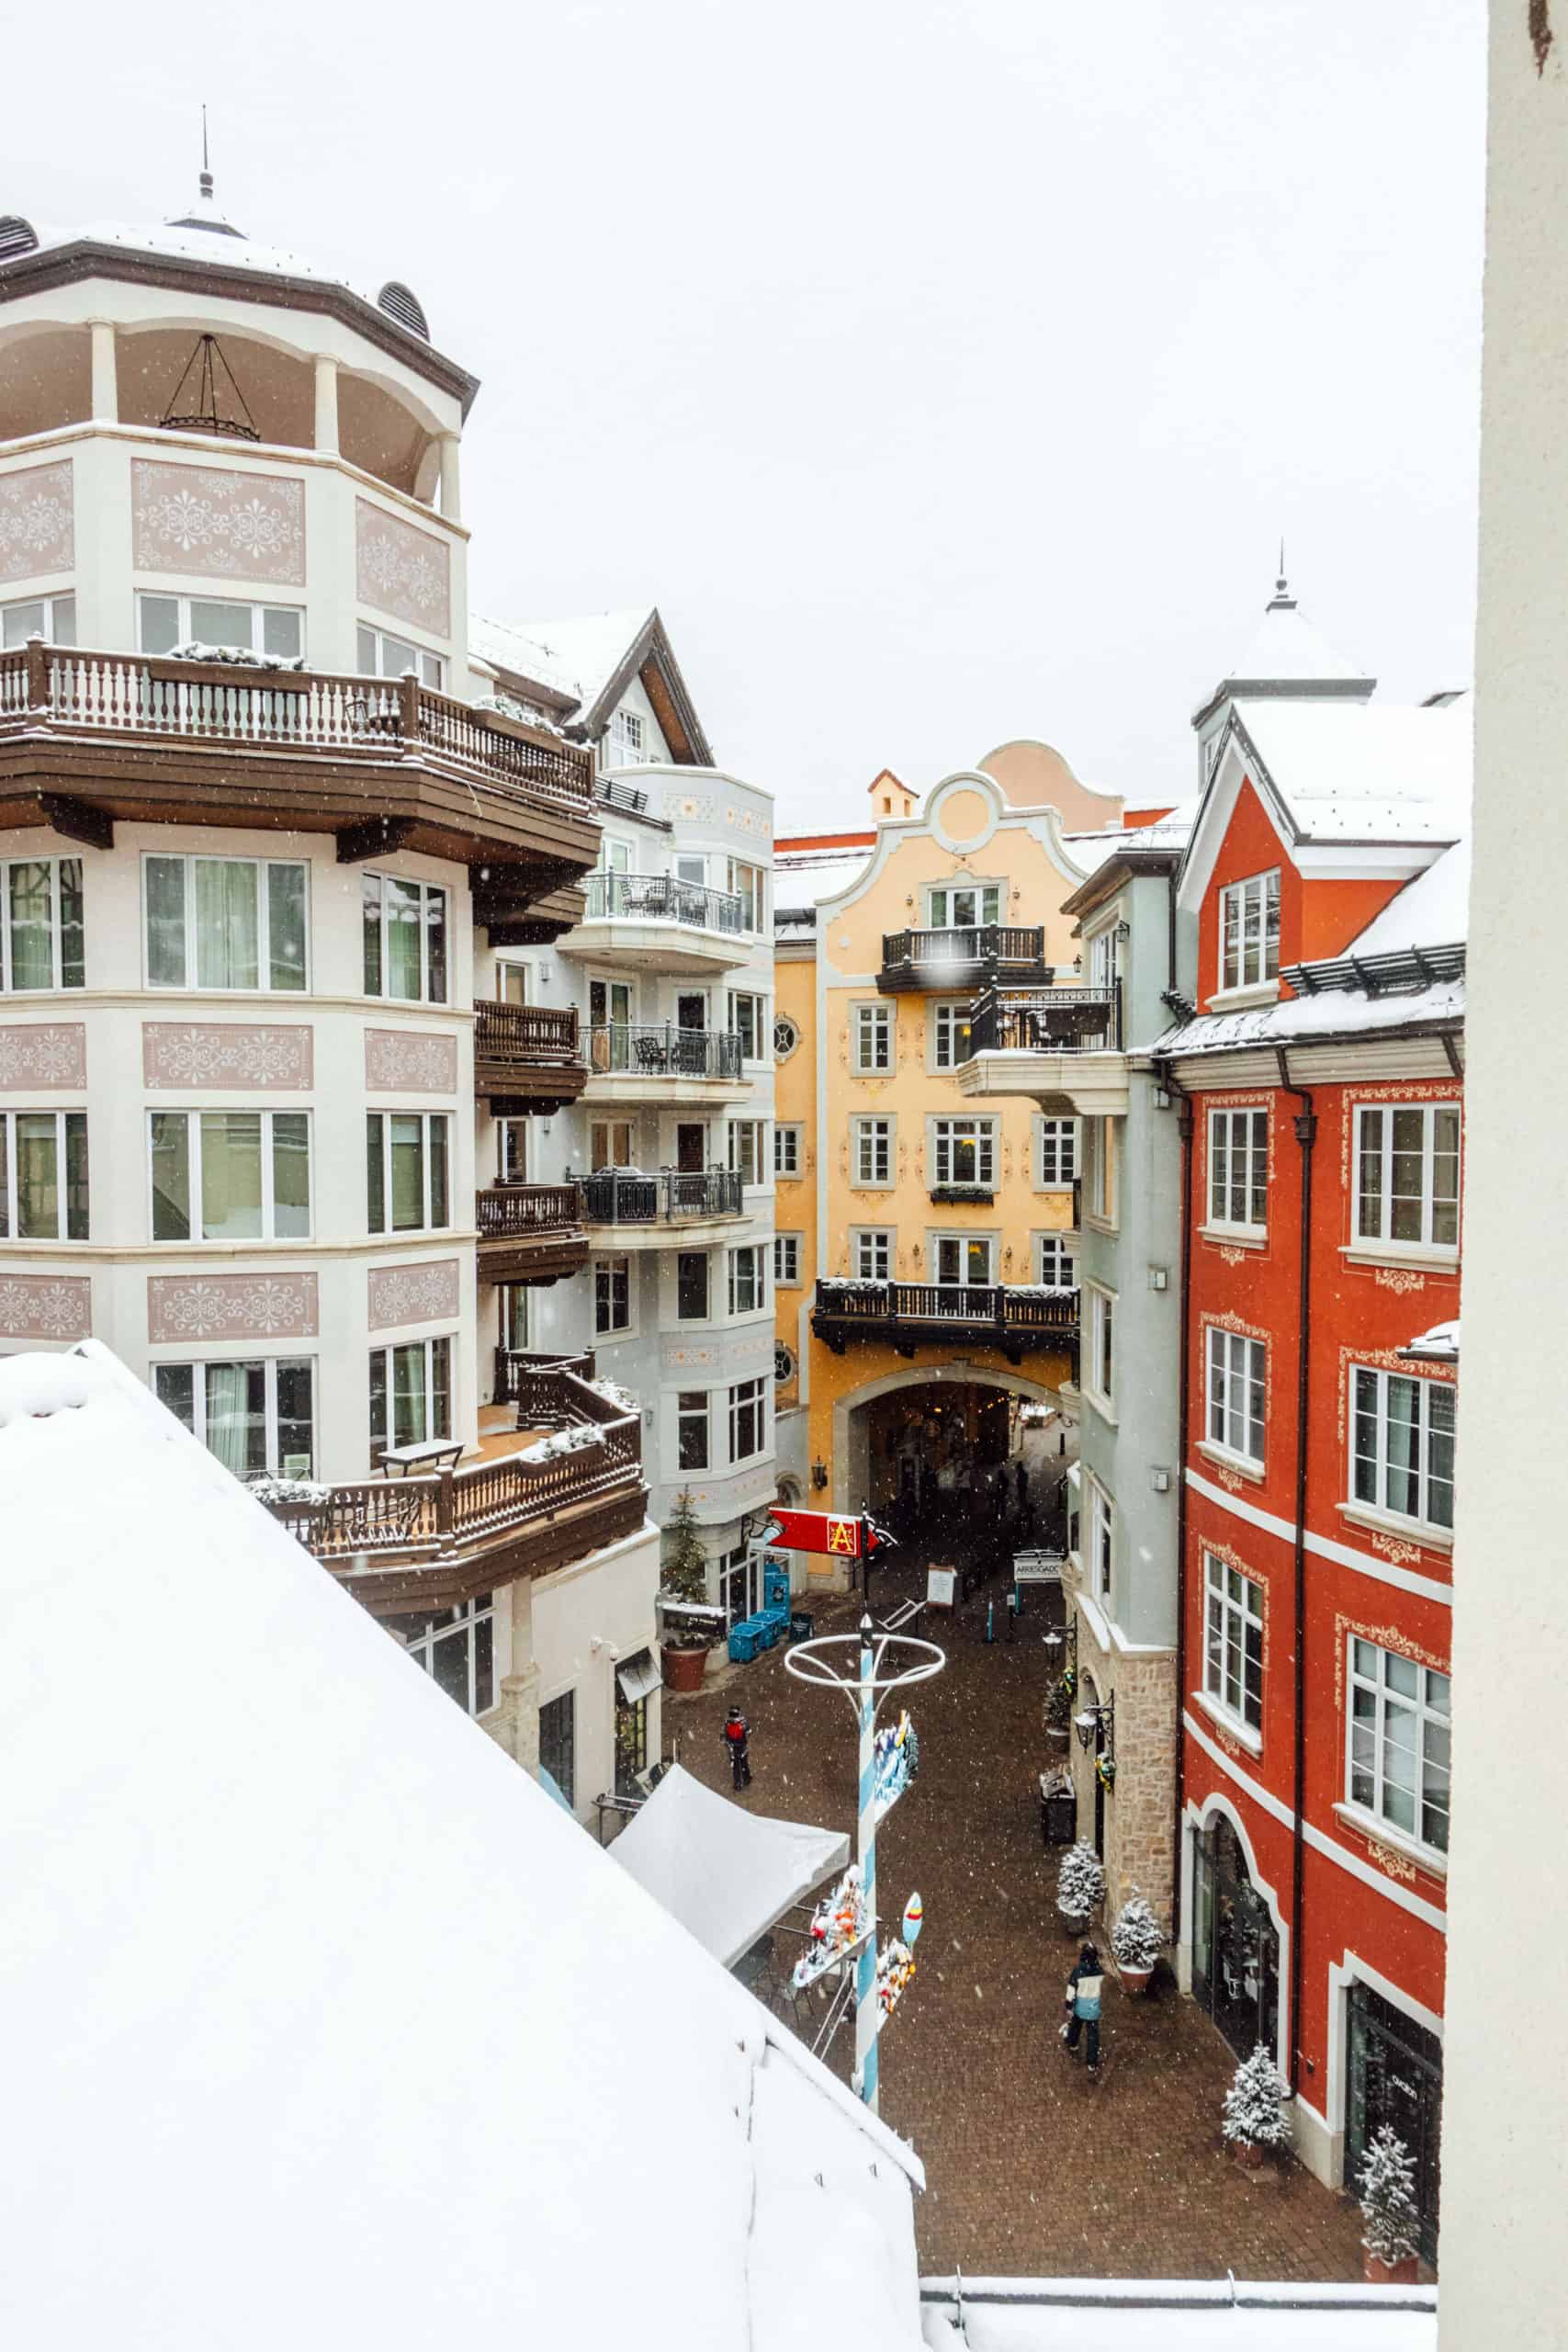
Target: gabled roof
{"points": [[1287, 656], [583, 665], [1155, 848], [338, 2029]]}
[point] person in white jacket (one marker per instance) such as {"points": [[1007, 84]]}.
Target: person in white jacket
{"points": [[1085, 1986]]}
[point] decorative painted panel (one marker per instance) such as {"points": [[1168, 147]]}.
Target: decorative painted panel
{"points": [[259, 1054], [43, 1053], [423, 1293], [400, 1061], [219, 525], [402, 571], [37, 537], [231, 1307], [46, 1306]]}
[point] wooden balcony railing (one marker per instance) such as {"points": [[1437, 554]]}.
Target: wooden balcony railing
{"points": [[960, 952], [515, 1367], [1046, 1021], [72, 691], [514, 1212], [1007, 1315], [661, 898], [532, 1037], [619, 1196], [663, 1051]]}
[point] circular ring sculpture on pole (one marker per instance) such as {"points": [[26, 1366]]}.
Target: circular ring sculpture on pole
{"points": [[863, 1682]]}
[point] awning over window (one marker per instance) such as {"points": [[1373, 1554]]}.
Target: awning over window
{"points": [[637, 1676]]}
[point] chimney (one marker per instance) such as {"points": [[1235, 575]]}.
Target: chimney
{"points": [[890, 797]]}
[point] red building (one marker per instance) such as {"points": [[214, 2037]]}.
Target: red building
{"points": [[1320, 1078]]}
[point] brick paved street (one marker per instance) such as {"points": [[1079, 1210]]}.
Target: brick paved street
{"points": [[1031, 2167]]}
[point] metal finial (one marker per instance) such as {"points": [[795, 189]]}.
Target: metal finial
{"points": [[1280, 583], [206, 171]]}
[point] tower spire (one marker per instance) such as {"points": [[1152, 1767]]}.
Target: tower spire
{"points": [[206, 169], [1281, 601]]}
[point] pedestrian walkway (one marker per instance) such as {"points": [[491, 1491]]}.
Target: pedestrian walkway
{"points": [[1032, 2167]]}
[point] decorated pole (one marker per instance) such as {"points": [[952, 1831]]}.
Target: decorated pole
{"points": [[866, 2018]]}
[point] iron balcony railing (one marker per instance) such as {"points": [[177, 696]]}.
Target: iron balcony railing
{"points": [[964, 947], [625, 1196], [976, 1307], [663, 1051], [524, 1212], [1046, 1021], [661, 898], [529, 1036]]}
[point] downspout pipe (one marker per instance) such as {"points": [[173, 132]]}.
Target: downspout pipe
{"points": [[1186, 1127], [1306, 1137]]}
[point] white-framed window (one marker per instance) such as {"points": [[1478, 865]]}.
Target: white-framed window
{"points": [[256, 1415], [871, 1250], [1056, 1260], [745, 881], [411, 1394], [1057, 1148], [1402, 1446], [407, 1171], [43, 1175], [692, 1439], [749, 1021], [165, 623], [1238, 1169], [512, 1151], [871, 1151], [405, 934], [745, 1149], [1249, 931], [229, 1175], [871, 1037], [964, 1151], [611, 1295], [786, 1260], [786, 1036], [43, 938], [950, 1035], [1101, 1365], [1397, 1742], [787, 1141], [1103, 961], [1236, 1375], [1407, 1174], [511, 981], [747, 1419], [379, 654], [1101, 1539], [1233, 1642], [240, 923], [748, 1278], [1102, 1170], [514, 1309], [51, 617], [967, 1259], [692, 1285], [626, 743], [961, 905], [458, 1650]]}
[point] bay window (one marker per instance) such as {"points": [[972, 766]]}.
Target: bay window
{"points": [[378, 654], [404, 929], [1238, 1169], [746, 884], [42, 942], [746, 1150], [407, 1160], [167, 623], [51, 617], [692, 1286], [43, 1175], [748, 1279], [255, 1416], [1407, 1174], [1233, 1642], [747, 1020], [1403, 1446], [747, 1419], [230, 1175], [411, 1395], [1397, 1764], [1249, 932], [692, 1428], [225, 923]]}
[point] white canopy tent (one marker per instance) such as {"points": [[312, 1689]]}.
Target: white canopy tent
{"points": [[728, 1875]]}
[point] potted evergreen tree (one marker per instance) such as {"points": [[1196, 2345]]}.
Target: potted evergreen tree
{"points": [[1253, 2118], [1387, 2187], [1080, 1885], [689, 1624], [1059, 1708], [1136, 1940]]}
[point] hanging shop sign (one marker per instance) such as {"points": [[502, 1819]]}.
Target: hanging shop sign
{"points": [[851, 1538]]}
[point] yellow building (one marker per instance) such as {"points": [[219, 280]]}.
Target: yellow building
{"points": [[925, 1258]]}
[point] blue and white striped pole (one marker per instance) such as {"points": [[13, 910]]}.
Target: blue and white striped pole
{"points": [[866, 2018]]}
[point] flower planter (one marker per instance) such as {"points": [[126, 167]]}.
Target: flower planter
{"points": [[684, 1669], [1135, 1980], [1378, 2273], [1248, 2152]]}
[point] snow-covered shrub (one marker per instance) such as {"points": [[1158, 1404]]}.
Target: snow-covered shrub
{"points": [[560, 1442], [1387, 2190], [239, 656], [270, 1490], [1252, 2110], [1135, 1939], [614, 1394], [1081, 1882]]}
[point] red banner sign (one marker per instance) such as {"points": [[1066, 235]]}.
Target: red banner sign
{"points": [[818, 1531]]}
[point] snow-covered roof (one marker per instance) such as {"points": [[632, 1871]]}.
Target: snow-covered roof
{"points": [[1328, 1013], [807, 877], [727, 1874], [336, 2025], [578, 657], [1431, 912], [1286, 654], [1439, 1345], [1357, 772], [1174, 2315]]}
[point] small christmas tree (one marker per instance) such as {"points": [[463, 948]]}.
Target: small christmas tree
{"points": [[1388, 2198], [685, 1572], [1081, 1882], [1135, 1939], [1252, 2103]]}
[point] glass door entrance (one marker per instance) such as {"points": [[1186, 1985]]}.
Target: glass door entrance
{"points": [[1396, 2077], [1235, 1951]]}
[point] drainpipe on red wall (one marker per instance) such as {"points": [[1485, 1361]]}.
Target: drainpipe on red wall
{"points": [[1186, 1125], [1306, 1137]]}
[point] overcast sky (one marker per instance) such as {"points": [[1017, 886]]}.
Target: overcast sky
{"points": [[944, 372]]}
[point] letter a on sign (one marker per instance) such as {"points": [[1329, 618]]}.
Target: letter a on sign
{"points": [[842, 1536]]}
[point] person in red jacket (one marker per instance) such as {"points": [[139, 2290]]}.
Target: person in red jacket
{"points": [[737, 1732]]}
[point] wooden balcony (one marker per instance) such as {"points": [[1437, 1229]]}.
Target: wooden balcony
{"points": [[963, 956], [906, 1316], [1060, 1047], [88, 739], [529, 1233], [403, 1545], [527, 1057]]}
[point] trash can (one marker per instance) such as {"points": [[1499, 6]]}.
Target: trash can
{"points": [[800, 1625], [1058, 1810]]}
